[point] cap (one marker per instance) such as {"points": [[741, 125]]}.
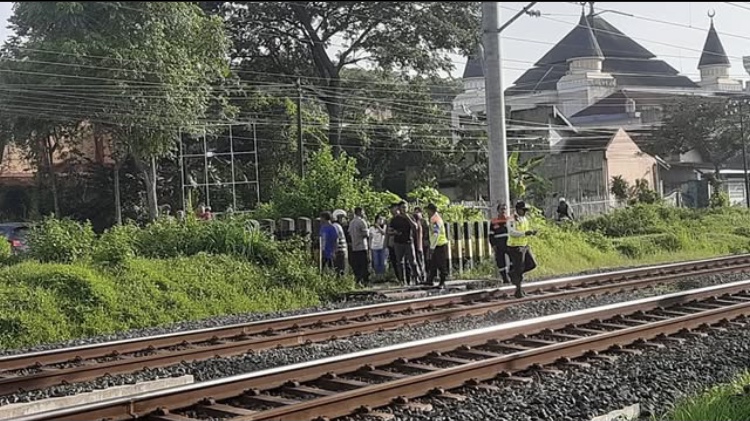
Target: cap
{"points": [[338, 213], [521, 205], [562, 199]]}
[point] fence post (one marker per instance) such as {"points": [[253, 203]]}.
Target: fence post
{"points": [[269, 226], [459, 245], [478, 227], [316, 243], [449, 235], [285, 228], [304, 230], [469, 241]]}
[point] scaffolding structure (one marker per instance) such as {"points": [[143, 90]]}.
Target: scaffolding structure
{"points": [[220, 147]]}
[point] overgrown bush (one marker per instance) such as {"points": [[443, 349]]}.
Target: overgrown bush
{"points": [[117, 245], [5, 251], [61, 240], [425, 195]]}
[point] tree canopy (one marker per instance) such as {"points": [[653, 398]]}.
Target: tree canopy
{"points": [[298, 38], [138, 71], [709, 126]]}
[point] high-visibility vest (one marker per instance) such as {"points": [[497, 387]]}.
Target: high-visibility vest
{"points": [[520, 224], [438, 237]]}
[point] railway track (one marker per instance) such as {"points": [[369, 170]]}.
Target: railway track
{"points": [[47, 368], [339, 386]]}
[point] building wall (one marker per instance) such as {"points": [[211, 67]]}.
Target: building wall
{"points": [[625, 158], [575, 175], [17, 168]]}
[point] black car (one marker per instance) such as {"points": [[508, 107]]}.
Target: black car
{"points": [[15, 233]]}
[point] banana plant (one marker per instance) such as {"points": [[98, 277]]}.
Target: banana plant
{"points": [[522, 175]]}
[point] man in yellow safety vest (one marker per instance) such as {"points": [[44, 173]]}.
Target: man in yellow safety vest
{"points": [[438, 247], [521, 259]]}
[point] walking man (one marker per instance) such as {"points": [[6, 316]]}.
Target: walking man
{"points": [[438, 247], [499, 242], [521, 259], [359, 233]]}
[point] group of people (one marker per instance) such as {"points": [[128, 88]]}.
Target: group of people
{"points": [[509, 237], [416, 247]]}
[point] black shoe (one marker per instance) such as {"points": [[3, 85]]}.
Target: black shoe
{"points": [[519, 293], [441, 285]]}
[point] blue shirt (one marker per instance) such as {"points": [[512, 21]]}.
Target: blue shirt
{"points": [[330, 240]]}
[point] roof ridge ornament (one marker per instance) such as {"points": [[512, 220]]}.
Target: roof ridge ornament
{"points": [[711, 13]]}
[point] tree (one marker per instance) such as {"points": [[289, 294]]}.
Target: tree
{"points": [[298, 38], [620, 188], [396, 123], [522, 176], [138, 71], [708, 126]]}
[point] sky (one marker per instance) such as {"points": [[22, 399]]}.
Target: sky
{"points": [[674, 32]]}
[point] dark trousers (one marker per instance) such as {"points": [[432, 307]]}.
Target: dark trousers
{"points": [[405, 256], [518, 257], [397, 269], [327, 263], [502, 263], [339, 262], [438, 262], [360, 266]]}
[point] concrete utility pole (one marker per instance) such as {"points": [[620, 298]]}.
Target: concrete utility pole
{"points": [[495, 105]]}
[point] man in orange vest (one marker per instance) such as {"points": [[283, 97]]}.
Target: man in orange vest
{"points": [[499, 241]]}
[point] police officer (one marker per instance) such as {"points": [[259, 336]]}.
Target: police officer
{"points": [[521, 260]]}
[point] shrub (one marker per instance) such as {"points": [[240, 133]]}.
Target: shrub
{"points": [[61, 240], [5, 251], [116, 245], [634, 220]]}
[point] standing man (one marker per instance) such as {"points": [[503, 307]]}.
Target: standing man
{"points": [[359, 232], [377, 245], [402, 227], [438, 247], [390, 243], [521, 260], [499, 241], [419, 243], [340, 257], [329, 239]]}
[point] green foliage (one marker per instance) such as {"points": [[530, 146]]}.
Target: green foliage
{"points": [[127, 51], [709, 126], [727, 402], [5, 251], [634, 220], [637, 247], [718, 199], [419, 36], [61, 240], [522, 176], [451, 212], [329, 183], [42, 302], [642, 193], [620, 188], [117, 245]]}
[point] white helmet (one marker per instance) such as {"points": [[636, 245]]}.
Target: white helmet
{"points": [[338, 213]]}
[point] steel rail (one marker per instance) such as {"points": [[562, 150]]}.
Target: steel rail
{"points": [[616, 324], [241, 338]]}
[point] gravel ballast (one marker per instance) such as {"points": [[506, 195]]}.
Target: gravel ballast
{"points": [[655, 380], [222, 367]]}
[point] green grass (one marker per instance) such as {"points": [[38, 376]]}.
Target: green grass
{"points": [[49, 302], [727, 402], [632, 237]]}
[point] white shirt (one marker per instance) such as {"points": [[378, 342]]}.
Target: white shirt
{"points": [[377, 238]]}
